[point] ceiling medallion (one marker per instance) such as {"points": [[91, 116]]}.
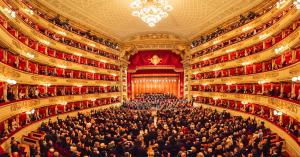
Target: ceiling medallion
{"points": [[151, 11], [155, 60]]}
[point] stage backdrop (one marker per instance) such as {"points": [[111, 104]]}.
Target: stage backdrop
{"points": [[155, 71]]}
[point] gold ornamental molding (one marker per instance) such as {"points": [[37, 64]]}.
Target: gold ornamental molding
{"points": [[36, 18], [33, 34], [290, 108], [151, 67], [287, 43], [155, 41], [12, 109], [8, 72], [283, 74], [16, 46], [260, 20], [154, 75], [272, 30]]}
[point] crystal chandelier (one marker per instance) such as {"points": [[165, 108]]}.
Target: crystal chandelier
{"points": [[297, 4], [151, 11]]}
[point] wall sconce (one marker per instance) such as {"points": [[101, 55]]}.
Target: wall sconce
{"points": [[45, 42], [246, 63], [64, 103], [296, 78], [277, 113], [229, 50], [217, 41], [10, 13], [246, 28], [62, 33], [244, 102], [280, 3], [281, 49], [229, 83], [30, 112], [262, 81], [92, 44], [93, 99], [29, 11], [263, 36], [11, 82], [215, 98], [47, 84], [29, 55]]}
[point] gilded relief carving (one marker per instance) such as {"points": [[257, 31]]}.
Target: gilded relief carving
{"points": [[17, 44], [275, 103]]}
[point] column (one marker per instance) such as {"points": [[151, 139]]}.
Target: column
{"points": [[55, 110], [281, 89], [47, 111], [293, 56], [16, 92], [293, 90], [5, 91], [6, 125], [27, 91], [27, 66], [55, 90]]}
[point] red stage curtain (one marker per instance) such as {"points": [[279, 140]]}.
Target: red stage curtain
{"points": [[155, 84]]}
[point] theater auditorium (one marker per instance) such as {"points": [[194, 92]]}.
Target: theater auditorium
{"points": [[149, 78]]}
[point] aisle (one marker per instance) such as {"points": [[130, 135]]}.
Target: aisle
{"points": [[154, 114]]}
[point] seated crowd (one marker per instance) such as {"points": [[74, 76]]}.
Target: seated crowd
{"points": [[58, 20], [192, 132], [19, 92], [284, 121], [14, 123], [157, 101], [288, 90], [242, 20]]}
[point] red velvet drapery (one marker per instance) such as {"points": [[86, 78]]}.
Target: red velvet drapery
{"points": [[160, 80]]}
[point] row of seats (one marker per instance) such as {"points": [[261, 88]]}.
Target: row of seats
{"points": [[42, 48], [287, 123], [11, 125], [244, 35], [286, 59], [219, 31], [57, 20], [26, 65], [10, 93], [254, 49]]}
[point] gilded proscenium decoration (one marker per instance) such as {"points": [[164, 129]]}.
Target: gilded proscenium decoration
{"points": [[155, 60]]}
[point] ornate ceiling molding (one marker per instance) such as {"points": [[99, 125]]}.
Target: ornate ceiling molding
{"points": [[155, 41], [113, 17]]}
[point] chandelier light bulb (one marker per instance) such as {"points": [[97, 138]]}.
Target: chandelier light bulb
{"points": [[151, 24]]}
